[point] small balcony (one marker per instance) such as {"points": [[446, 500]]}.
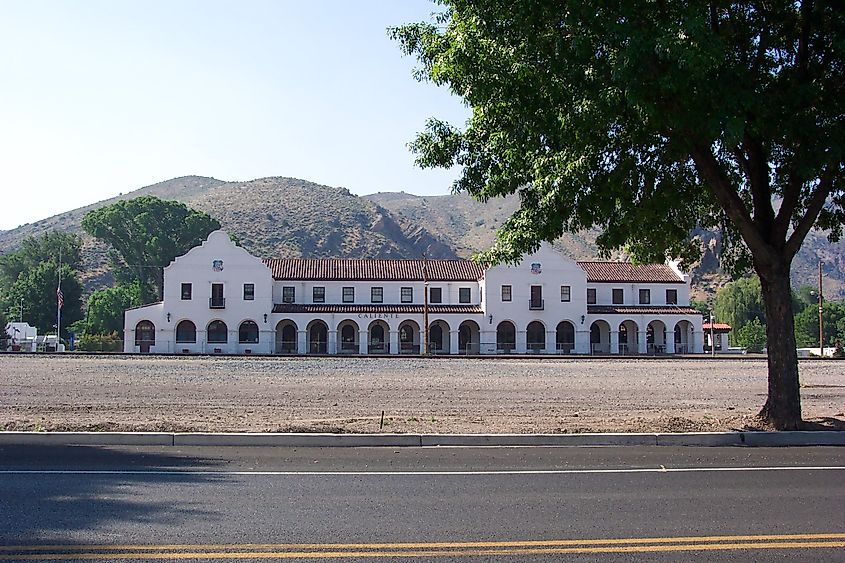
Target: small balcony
{"points": [[217, 303], [535, 304]]}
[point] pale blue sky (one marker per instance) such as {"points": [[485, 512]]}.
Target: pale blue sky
{"points": [[103, 97]]}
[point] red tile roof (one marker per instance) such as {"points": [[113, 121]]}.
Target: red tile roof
{"points": [[400, 309], [641, 310], [626, 272], [343, 269], [717, 327]]}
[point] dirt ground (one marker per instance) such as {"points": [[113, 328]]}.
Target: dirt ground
{"points": [[50, 392]]}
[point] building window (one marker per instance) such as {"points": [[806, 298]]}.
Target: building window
{"points": [[645, 296], [671, 296], [248, 333], [435, 295], [507, 293], [591, 296], [249, 291], [464, 295], [288, 294], [349, 295], [318, 294], [186, 332], [217, 300], [376, 295], [407, 295], [565, 293], [536, 301], [216, 332], [618, 296], [187, 289]]}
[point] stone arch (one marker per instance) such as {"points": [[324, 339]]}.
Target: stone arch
{"points": [[378, 334], [348, 337], [600, 337], [287, 337], [535, 334], [628, 337], [145, 335], [469, 337], [409, 337], [505, 337], [317, 333], [683, 337], [439, 341], [656, 337], [565, 337]]}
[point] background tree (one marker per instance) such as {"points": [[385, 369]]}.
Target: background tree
{"points": [[739, 302], [647, 120], [752, 336], [104, 314], [807, 324], [145, 234], [30, 276]]}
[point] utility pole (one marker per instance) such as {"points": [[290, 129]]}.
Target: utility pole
{"points": [[425, 304], [712, 339], [821, 313]]}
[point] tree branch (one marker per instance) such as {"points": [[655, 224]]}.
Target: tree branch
{"points": [[715, 178], [787, 207], [761, 192], [814, 207], [802, 58]]}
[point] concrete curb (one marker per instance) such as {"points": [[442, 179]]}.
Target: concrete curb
{"points": [[303, 440]]}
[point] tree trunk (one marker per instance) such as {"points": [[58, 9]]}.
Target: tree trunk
{"points": [[783, 406]]}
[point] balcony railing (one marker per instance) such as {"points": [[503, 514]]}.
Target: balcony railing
{"points": [[217, 303], [535, 304]]}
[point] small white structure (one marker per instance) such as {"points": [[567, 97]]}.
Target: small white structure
{"points": [[219, 299], [719, 332], [22, 337], [827, 352]]}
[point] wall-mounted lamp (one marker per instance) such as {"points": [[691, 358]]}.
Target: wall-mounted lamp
{"points": [[265, 318], [168, 317], [490, 319], [582, 319]]}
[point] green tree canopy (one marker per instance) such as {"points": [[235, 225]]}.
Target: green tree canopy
{"points": [[106, 306], [752, 336], [739, 302], [30, 276], [648, 119], [145, 234], [807, 324]]}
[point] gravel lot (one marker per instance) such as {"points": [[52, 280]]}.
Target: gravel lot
{"points": [[416, 394]]}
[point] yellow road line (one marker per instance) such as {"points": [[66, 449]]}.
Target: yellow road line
{"points": [[431, 545], [435, 553]]}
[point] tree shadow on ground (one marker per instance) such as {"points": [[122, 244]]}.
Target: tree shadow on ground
{"points": [[38, 507]]}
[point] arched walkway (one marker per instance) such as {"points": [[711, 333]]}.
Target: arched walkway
{"points": [[409, 337], [145, 336], [248, 333], [683, 337], [286, 337], [347, 333], [565, 337], [656, 337], [186, 332], [536, 335], [318, 337], [600, 337], [438, 337], [505, 337], [378, 334], [628, 333], [469, 338]]}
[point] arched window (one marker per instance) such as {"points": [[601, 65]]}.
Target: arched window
{"points": [[318, 338], [536, 336], [186, 331], [377, 334], [145, 333], [248, 333], [217, 332], [406, 334], [565, 337]]}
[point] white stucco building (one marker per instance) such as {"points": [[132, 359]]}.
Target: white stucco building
{"points": [[219, 299]]}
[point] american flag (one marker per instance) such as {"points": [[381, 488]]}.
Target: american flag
{"points": [[61, 297]]}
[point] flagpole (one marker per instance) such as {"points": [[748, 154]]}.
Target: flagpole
{"points": [[59, 300]]}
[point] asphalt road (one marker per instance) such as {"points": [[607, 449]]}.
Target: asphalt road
{"points": [[450, 504]]}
